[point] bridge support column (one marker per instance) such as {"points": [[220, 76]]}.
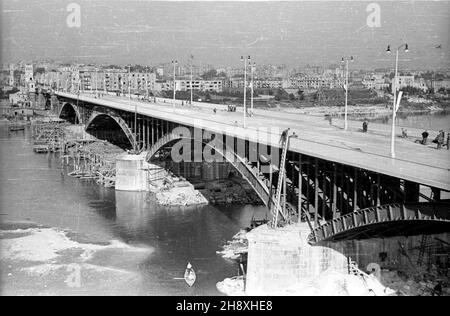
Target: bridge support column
{"points": [[412, 191], [436, 194], [131, 173], [281, 260]]}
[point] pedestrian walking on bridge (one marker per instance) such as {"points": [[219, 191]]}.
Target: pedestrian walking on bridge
{"points": [[424, 137], [365, 126]]}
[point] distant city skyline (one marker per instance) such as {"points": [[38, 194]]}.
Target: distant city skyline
{"points": [[218, 33]]}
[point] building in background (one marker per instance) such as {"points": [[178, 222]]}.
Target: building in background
{"points": [[375, 81]]}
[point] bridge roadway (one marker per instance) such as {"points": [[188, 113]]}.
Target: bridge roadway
{"points": [[316, 137]]}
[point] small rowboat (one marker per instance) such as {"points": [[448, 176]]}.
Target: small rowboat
{"points": [[189, 275]]}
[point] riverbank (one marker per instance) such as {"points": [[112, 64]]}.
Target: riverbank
{"points": [[367, 111]]}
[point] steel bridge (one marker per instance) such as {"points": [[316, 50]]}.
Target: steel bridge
{"points": [[343, 182]]}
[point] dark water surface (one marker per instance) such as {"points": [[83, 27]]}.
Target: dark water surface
{"points": [[33, 187]]}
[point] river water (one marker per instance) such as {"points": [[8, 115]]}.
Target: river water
{"points": [[431, 121], [35, 189]]}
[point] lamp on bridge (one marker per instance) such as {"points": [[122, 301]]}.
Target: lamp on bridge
{"points": [[135, 149], [174, 63], [253, 66], [346, 59], [245, 60], [394, 91]]}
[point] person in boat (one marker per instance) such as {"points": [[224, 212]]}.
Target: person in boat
{"points": [[189, 275]]}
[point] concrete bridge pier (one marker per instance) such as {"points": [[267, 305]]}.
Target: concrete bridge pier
{"points": [[281, 260], [131, 173]]}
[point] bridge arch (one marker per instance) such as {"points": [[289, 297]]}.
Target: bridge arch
{"points": [[106, 126], [70, 113], [259, 184], [385, 221]]}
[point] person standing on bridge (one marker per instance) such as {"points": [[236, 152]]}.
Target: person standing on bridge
{"points": [[424, 137], [284, 136], [440, 139], [404, 133], [365, 126]]}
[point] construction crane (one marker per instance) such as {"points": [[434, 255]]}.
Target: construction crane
{"points": [[276, 208]]}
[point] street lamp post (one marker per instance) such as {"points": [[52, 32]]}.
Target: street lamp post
{"points": [[245, 87], [122, 82], [135, 109], [96, 81], [253, 69], [394, 90], [146, 86], [346, 59], [192, 93], [174, 63]]}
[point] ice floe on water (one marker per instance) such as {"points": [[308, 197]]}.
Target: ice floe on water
{"points": [[46, 244], [49, 261]]}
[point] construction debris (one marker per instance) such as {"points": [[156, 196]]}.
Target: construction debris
{"points": [[48, 136], [419, 283], [174, 191], [235, 248], [87, 157], [234, 286], [92, 160]]}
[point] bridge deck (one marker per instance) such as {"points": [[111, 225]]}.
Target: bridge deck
{"points": [[316, 137]]}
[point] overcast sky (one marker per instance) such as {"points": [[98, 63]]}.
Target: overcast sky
{"points": [[293, 33]]}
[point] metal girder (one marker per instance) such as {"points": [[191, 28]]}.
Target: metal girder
{"points": [[239, 163], [75, 108], [123, 125], [363, 218]]}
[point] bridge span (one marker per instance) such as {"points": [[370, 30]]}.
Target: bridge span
{"points": [[329, 172], [316, 138]]}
